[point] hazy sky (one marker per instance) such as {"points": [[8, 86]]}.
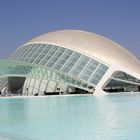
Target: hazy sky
{"points": [[21, 20]]}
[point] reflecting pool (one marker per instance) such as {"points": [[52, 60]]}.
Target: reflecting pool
{"points": [[113, 117]]}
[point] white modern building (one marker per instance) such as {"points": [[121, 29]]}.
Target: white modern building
{"points": [[69, 62]]}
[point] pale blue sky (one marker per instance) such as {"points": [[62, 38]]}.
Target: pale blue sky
{"points": [[21, 20]]}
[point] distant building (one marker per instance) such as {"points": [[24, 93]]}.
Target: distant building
{"points": [[70, 61]]}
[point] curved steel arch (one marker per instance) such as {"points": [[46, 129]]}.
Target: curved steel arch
{"points": [[12, 68]]}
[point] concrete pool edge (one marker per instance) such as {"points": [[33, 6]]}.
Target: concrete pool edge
{"points": [[47, 96], [68, 95]]}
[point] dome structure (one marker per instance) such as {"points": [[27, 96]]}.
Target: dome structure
{"points": [[70, 61]]}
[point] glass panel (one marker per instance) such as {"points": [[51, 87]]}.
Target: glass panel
{"points": [[23, 51], [89, 70], [80, 65], [30, 58], [94, 81], [56, 57], [70, 63], [98, 74], [28, 53]]}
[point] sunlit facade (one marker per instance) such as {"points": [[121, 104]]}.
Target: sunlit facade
{"points": [[69, 62]]}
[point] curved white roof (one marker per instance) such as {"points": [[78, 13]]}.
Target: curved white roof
{"points": [[93, 45]]}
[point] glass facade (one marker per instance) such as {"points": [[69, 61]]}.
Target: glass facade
{"points": [[125, 76], [63, 60], [122, 82]]}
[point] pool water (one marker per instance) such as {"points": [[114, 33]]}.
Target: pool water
{"points": [[113, 117]]}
